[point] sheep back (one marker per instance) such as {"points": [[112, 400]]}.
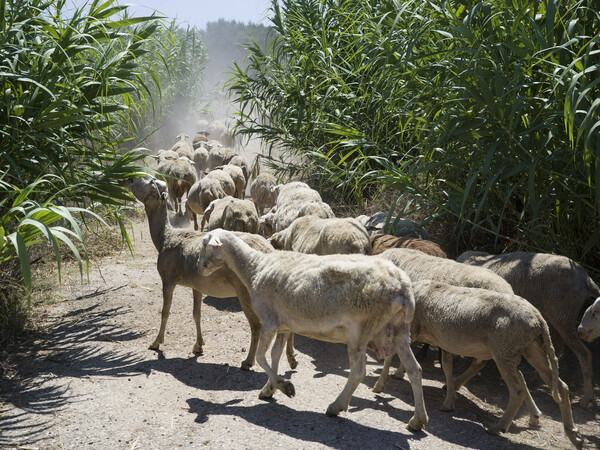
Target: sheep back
{"points": [[420, 266], [383, 242]]}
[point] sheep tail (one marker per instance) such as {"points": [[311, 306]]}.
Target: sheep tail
{"points": [[553, 361]]}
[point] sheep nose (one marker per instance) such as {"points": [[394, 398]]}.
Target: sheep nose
{"points": [[581, 332]]}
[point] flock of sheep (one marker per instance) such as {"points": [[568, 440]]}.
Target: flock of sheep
{"points": [[296, 268]]}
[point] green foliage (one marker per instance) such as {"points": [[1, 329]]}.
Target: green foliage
{"points": [[69, 80], [484, 112]]}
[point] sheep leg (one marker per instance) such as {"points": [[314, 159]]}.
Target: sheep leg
{"points": [[277, 350], [275, 381], [291, 356], [516, 389], [536, 356], [195, 222], [414, 371], [473, 370], [384, 375], [167, 300], [447, 366], [584, 356], [534, 411], [399, 373], [357, 354], [197, 315], [253, 321]]}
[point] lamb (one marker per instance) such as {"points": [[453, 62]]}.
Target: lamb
{"points": [[589, 328], [199, 197], [310, 234], [357, 300], [237, 176], [225, 179], [182, 146], [232, 214], [558, 287], [383, 242], [485, 325], [180, 176], [200, 158], [177, 264], [260, 191]]}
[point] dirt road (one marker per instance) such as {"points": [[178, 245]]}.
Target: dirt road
{"points": [[89, 381]]}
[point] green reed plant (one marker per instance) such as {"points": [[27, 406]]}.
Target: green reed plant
{"points": [[70, 78], [483, 113]]}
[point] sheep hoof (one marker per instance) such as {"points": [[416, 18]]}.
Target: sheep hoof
{"points": [[494, 429], [398, 374], [246, 365], [446, 408], [575, 438], [154, 346], [415, 425], [332, 411], [288, 389], [534, 421], [197, 350], [377, 389], [266, 392], [292, 361], [586, 402]]}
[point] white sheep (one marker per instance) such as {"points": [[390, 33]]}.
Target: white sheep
{"points": [[242, 163], [216, 156], [224, 178], [260, 191], [237, 175], [178, 252], [294, 192], [285, 215], [484, 324], [310, 234], [199, 197], [355, 299], [180, 176], [589, 328], [200, 158], [421, 266], [163, 155], [558, 287], [182, 146], [232, 214]]}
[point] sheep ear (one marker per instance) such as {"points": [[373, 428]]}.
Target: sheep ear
{"points": [[215, 241]]}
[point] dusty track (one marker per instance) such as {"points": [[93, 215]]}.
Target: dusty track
{"points": [[89, 381]]}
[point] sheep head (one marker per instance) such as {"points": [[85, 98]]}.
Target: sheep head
{"points": [[147, 189], [589, 329], [211, 256]]}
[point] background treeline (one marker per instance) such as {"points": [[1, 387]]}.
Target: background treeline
{"points": [[482, 116]]}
